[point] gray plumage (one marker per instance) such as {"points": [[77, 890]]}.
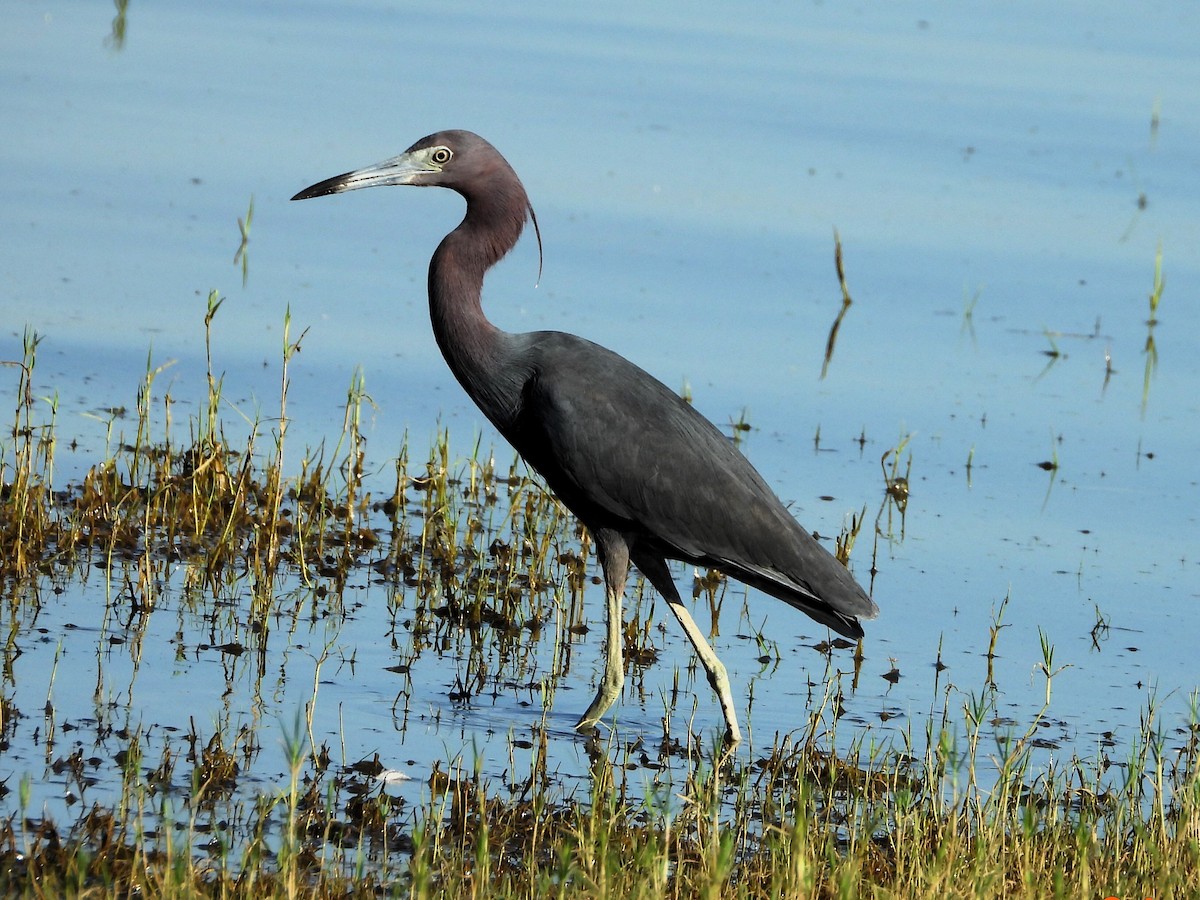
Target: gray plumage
{"points": [[649, 477]]}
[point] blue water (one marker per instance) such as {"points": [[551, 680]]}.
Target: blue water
{"points": [[688, 168]]}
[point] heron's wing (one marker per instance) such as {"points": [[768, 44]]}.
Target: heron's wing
{"points": [[621, 449]]}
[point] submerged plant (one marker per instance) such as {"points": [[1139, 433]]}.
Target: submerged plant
{"points": [[1151, 348], [847, 302]]}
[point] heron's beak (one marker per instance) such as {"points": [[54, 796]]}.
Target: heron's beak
{"points": [[407, 168]]}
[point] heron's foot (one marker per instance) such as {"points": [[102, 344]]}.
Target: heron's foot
{"points": [[587, 722], [591, 719], [719, 681], [606, 696]]}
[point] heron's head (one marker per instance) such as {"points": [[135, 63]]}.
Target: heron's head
{"points": [[459, 160]]}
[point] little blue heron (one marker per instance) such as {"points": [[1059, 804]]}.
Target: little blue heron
{"points": [[648, 476]]}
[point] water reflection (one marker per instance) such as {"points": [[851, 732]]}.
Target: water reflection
{"points": [[115, 40]]}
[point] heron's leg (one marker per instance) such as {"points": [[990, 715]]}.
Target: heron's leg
{"points": [[614, 560], [654, 567]]}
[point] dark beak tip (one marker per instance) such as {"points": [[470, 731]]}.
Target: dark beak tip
{"points": [[333, 185]]}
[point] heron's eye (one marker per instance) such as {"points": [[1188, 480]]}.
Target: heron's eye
{"points": [[441, 155]]}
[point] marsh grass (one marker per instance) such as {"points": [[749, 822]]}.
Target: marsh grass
{"points": [[961, 804], [896, 486]]}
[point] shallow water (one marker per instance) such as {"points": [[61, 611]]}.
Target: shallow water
{"points": [[688, 172]]}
